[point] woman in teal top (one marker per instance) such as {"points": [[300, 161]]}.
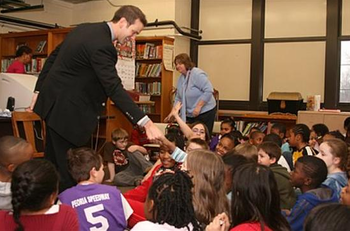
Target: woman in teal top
{"points": [[195, 92]]}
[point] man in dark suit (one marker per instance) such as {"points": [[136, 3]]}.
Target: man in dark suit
{"points": [[76, 80]]}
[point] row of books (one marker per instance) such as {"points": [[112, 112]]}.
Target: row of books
{"points": [[148, 70], [149, 51], [35, 66], [147, 108], [262, 126], [149, 88]]}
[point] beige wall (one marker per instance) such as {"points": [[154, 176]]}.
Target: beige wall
{"points": [[288, 66], [294, 67], [225, 19], [228, 68], [297, 18]]}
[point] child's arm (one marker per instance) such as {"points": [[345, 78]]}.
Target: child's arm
{"points": [[111, 169], [176, 153], [184, 127], [139, 148], [149, 173]]}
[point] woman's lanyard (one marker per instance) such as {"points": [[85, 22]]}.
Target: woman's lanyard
{"points": [[184, 108]]}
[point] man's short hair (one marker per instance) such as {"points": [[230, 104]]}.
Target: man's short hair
{"points": [[131, 14]]}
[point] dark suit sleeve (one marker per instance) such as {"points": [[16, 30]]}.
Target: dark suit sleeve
{"points": [[47, 66], [103, 63]]}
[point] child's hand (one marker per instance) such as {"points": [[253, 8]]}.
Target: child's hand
{"points": [[175, 110], [286, 211], [220, 223]]}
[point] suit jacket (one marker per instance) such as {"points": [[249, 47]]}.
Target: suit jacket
{"points": [[76, 80]]}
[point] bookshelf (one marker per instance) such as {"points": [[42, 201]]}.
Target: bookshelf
{"points": [[42, 42], [259, 118], [151, 76]]}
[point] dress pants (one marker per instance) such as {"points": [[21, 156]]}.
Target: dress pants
{"points": [[56, 152]]}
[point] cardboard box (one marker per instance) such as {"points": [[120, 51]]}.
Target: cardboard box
{"points": [[284, 102]]}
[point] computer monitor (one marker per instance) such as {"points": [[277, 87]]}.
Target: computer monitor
{"points": [[18, 86]]}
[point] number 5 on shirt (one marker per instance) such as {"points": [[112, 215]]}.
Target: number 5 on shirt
{"points": [[94, 220]]}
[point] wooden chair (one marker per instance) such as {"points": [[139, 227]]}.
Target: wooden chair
{"points": [[28, 119]]}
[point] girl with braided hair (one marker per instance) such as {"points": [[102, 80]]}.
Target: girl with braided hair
{"points": [[169, 204], [34, 190]]}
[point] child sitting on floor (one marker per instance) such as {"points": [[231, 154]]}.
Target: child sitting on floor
{"points": [[90, 197], [256, 138], [34, 191], [308, 175], [126, 163], [196, 143], [268, 154], [169, 204], [334, 153], [227, 125], [299, 138], [137, 196], [13, 151]]}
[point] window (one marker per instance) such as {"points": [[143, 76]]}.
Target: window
{"points": [[345, 72]]}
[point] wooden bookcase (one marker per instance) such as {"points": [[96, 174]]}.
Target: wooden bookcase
{"points": [[10, 41], [114, 118], [163, 81]]}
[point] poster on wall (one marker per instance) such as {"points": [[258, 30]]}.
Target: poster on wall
{"points": [[126, 63]]}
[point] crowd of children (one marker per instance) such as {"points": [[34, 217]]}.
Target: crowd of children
{"points": [[286, 180]]}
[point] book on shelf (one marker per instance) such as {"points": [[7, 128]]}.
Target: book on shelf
{"points": [[149, 51], [149, 88], [262, 126], [138, 96], [148, 70], [41, 46]]}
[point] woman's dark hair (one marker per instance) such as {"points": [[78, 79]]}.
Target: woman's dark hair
{"points": [[184, 59], [81, 161], [320, 129], [33, 183], [328, 217], [230, 122], [131, 14], [303, 131], [23, 50], [172, 196], [258, 200]]}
